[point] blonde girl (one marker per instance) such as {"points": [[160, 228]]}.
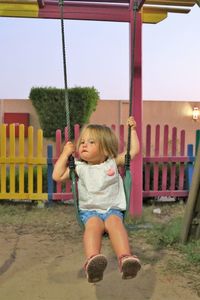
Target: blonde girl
{"points": [[101, 196]]}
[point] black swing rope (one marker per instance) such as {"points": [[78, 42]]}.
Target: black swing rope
{"points": [[67, 112], [127, 178]]}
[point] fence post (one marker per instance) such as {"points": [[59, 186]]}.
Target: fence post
{"points": [[190, 166], [50, 182]]}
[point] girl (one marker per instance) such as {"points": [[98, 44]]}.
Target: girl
{"points": [[101, 196]]}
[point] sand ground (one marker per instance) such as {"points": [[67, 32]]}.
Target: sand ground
{"points": [[41, 258]]}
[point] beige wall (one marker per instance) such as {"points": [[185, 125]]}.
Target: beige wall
{"points": [[173, 113], [23, 106]]}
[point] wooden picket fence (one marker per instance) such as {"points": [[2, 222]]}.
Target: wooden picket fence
{"points": [[21, 164], [166, 171], [58, 191]]}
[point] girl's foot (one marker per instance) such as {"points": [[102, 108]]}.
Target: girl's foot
{"points": [[95, 267], [129, 266]]}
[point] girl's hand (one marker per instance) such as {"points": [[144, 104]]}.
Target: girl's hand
{"points": [[131, 122], [69, 149]]}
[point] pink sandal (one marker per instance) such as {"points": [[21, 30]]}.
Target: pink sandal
{"points": [[94, 267], [129, 266]]}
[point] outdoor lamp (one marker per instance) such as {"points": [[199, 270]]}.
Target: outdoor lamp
{"points": [[195, 113]]}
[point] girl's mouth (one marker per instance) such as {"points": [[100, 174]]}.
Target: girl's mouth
{"points": [[84, 151]]}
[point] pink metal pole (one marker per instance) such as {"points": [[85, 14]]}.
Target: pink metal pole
{"points": [[136, 166]]}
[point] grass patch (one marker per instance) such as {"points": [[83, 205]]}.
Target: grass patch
{"points": [[167, 236], [14, 213], [192, 251], [163, 230]]}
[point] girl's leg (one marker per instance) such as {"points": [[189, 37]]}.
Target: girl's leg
{"points": [[94, 229], [96, 262], [118, 235], [129, 264]]}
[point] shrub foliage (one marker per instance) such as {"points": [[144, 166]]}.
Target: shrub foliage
{"points": [[50, 107]]}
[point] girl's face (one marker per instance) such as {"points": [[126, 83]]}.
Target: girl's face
{"points": [[89, 150]]}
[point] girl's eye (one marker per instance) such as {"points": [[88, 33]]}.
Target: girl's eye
{"points": [[91, 141]]}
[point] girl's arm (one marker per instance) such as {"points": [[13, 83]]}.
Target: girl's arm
{"points": [[134, 147], [61, 169]]}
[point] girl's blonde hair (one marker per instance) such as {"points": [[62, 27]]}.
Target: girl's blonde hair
{"points": [[108, 143]]}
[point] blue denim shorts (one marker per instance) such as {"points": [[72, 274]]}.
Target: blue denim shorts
{"points": [[85, 215]]}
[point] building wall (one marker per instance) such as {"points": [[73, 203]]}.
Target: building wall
{"points": [[174, 113], [22, 106]]}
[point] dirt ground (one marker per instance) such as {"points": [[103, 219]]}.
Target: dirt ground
{"points": [[41, 258]]}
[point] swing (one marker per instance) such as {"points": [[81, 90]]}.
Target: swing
{"points": [[127, 179]]}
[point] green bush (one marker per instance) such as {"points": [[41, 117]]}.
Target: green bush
{"points": [[50, 107]]}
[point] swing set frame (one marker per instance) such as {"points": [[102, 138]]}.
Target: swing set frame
{"points": [[127, 180], [152, 12]]}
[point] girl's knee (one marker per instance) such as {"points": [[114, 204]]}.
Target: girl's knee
{"points": [[113, 220], [94, 224]]}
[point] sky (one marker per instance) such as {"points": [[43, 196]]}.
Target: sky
{"points": [[97, 55]]}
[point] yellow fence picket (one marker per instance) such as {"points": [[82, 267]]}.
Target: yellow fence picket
{"points": [[12, 158], [3, 160], [30, 160], [39, 163], [14, 165], [21, 160]]}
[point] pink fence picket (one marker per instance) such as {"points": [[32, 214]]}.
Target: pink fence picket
{"points": [[164, 175], [63, 190]]}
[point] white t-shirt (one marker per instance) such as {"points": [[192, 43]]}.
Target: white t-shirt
{"points": [[100, 187]]}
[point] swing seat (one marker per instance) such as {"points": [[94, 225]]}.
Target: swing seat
{"points": [[127, 181]]}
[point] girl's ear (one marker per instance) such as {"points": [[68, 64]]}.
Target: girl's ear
{"points": [[105, 153]]}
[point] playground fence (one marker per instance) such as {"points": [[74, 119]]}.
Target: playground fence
{"points": [[18, 167], [166, 172]]}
